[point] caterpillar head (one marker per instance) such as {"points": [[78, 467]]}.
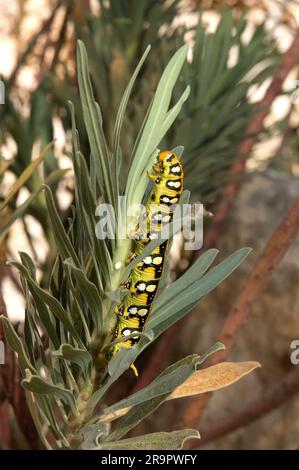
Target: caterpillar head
{"points": [[168, 164]]}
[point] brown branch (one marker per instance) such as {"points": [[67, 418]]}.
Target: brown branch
{"points": [[252, 411], [274, 251]]}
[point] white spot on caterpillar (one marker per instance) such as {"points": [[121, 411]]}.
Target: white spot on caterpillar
{"points": [[141, 287], [158, 260], [175, 169], [133, 310], [153, 236], [126, 332], [174, 184], [147, 260], [142, 312], [151, 288]]}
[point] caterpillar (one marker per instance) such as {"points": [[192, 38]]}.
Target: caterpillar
{"points": [[167, 176]]}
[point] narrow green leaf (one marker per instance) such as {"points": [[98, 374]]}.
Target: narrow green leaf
{"points": [[52, 303], [171, 378], [94, 128], [16, 345], [36, 384], [151, 135], [171, 312], [90, 293], [64, 245], [155, 441], [121, 111], [165, 382], [117, 365], [193, 274], [81, 357], [38, 421]]}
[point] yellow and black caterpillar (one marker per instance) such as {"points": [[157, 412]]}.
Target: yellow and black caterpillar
{"points": [[133, 312]]}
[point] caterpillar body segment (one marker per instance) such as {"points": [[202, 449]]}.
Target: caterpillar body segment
{"points": [[167, 176]]}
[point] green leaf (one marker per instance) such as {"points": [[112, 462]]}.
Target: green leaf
{"points": [[151, 397], [44, 315], [162, 318], [92, 118], [154, 441], [90, 293], [121, 113], [63, 242], [16, 345], [166, 382], [81, 357], [38, 421], [36, 384], [157, 123], [117, 365], [193, 274], [92, 434], [86, 202], [51, 301], [178, 150]]}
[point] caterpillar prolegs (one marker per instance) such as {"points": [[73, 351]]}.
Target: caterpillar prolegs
{"points": [[167, 176]]}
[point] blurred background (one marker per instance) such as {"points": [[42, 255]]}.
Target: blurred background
{"points": [[242, 61]]}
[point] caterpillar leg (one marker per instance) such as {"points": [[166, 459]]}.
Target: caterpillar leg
{"points": [[134, 369], [130, 258]]}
